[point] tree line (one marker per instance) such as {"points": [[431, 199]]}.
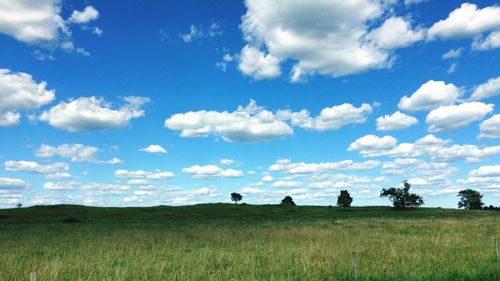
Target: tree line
{"points": [[401, 198]]}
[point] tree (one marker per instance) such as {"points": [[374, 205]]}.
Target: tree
{"points": [[470, 199], [401, 198], [287, 201], [344, 200], [19, 205], [236, 197]]}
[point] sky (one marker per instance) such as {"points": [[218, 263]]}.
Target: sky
{"points": [[143, 103]]}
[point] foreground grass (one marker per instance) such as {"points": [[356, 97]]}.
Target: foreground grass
{"points": [[227, 242]]}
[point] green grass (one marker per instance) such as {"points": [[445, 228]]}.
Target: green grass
{"points": [[245, 242]]}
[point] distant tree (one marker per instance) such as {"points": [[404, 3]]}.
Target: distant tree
{"points": [[344, 199], [236, 197], [401, 198], [470, 199], [19, 205], [287, 201]]}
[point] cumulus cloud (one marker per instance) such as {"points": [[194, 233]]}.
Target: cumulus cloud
{"points": [[286, 166], [75, 152], [454, 117], [429, 146], [430, 95], [259, 65], [486, 171], [140, 174], [211, 171], [492, 41], [154, 148], [18, 91], [197, 32], [325, 37], [39, 22], [56, 170], [226, 161], [490, 128], [93, 114], [395, 32], [283, 184], [12, 184], [331, 118], [467, 20], [247, 124], [395, 121], [87, 15], [453, 54], [488, 89]]}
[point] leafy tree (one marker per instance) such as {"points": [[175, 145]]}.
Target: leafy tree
{"points": [[401, 198], [344, 199], [287, 201], [19, 205], [236, 197], [470, 199]]}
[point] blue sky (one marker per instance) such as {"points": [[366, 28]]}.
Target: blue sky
{"points": [[182, 102]]}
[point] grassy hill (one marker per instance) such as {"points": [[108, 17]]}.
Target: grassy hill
{"points": [[247, 242]]}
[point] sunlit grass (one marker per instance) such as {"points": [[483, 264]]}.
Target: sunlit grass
{"points": [[248, 243]]}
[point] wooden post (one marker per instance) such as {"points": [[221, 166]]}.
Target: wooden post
{"points": [[495, 241], [32, 276], [354, 265]]}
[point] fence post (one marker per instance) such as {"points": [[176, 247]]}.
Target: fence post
{"points": [[495, 241], [354, 265], [32, 276]]}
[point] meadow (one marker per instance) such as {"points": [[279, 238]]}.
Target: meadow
{"points": [[247, 242]]}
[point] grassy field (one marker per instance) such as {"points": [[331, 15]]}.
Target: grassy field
{"points": [[245, 242]]}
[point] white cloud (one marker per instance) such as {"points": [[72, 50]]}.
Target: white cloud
{"points": [[492, 41], [430, 95], [93, 114], [454, 117], [486, 171], [490, 128], [32, 21], [98, 189], [467, 20], [75, 152], [255, 63], [331, 118], [453, 54], [282, 184], [488, 89], [452, 68], [154, 148], [250, 190], [140, 174], [247, 124], [325, 37], [33, 167], [226, 161], [18, 91], [428, 146], [196, 32], [210, 171], [87, 15], [395, 32], [396, 121], [304, 168], [371, 143], [410, 2], [10, 184], [267, 178]]}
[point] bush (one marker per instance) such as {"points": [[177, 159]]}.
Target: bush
{"points": [[72, 220]]}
